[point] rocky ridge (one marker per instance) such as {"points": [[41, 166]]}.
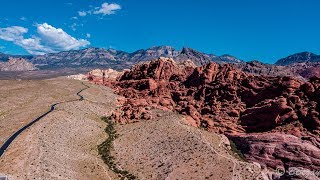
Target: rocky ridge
{"points": [[299, 58], [306, 69], [17, 64], [259, 68]]}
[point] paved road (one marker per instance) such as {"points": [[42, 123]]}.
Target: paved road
{"points": [[7, 143]]}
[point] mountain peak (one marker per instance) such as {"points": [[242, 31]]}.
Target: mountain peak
{"points": [[299, 58], [186, 50], [196, 57]]}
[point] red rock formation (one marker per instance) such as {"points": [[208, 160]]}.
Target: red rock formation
{"points": [[218, 93], [259, 111]]}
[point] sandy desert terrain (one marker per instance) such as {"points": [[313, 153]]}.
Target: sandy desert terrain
{"points": [[23, 101], [62, 145]]}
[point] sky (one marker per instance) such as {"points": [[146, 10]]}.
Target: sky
{"points": [[265, 30]]}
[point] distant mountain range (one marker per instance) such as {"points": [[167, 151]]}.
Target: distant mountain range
{"points": [[99, 57], [306, 64]]}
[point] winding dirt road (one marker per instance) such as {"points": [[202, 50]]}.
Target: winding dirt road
{"points": [[7, 143]]}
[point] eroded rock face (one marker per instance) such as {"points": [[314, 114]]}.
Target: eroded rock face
{"points": [[277, 150], [279, 115]]}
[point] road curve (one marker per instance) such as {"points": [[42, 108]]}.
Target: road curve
{"points": [[7, 143]]}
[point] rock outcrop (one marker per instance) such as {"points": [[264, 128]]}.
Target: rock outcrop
{"points": [[276, 119]]}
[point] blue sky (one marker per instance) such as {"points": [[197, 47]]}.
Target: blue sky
{"points": [[249, 29]]}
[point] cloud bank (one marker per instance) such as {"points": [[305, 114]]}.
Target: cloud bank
{"points": [[48, 39]]}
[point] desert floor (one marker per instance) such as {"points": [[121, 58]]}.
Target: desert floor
{"points": [[167, 148], [62, 145]]}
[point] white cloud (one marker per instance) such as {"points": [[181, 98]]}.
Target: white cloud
{"points": [[48, 39], [104, 9], [107, 9], [58, 40], [82, 13], [88, 35]]}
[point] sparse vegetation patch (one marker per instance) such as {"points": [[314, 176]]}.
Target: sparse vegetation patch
{"points": [[106, 147]]}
